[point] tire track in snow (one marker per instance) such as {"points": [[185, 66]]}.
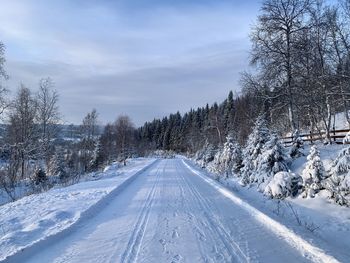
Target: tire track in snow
{"points": [[133, 247], [191, 217], [213, 225]]}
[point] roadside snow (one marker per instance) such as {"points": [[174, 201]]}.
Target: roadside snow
{"points": [[306, 248], [37, 217]]}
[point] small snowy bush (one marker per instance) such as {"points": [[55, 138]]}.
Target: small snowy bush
{"points": [[338, 184], [313, 173], [346, 139], [254, 146], [297, 145], [57, 166], [283, 184], [217, 166], [39, 180], [40, 177]]}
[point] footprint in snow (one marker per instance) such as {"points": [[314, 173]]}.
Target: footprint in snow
{"points": [[176, 258], [163, 243], [175, 234]]}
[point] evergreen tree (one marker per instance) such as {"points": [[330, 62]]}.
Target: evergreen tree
{"points": [[229, 113], [346, 139], [313, 174], [98, 157], [338, 184], [40, 178], [254, 146], [228, 160], [57, 167], [297, 145], [205, 155], [272, 160]]}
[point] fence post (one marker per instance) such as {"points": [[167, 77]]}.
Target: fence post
{"points": [[311, 142], [334, 139]]}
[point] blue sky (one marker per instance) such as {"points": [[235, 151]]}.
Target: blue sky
{"points": [[144, 58]]}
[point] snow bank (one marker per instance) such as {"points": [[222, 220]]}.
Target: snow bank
{"points": [[37, 218], [306, 248]]}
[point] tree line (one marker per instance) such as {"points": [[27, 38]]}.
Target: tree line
{"points": [[301, 78]]}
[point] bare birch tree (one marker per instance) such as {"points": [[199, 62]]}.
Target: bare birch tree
{"points": [[48, 116]]}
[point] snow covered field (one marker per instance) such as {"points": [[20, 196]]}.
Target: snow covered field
{"points": [[169, 212]]}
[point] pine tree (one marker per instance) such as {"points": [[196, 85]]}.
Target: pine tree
{"points": [[98, 157], [313, 173], [272, 160], [338, 184], [297, 145], [57, 166], [40, 177], [346, 139], [228, 160], [229, 113], [254, 146], [205, 155]]}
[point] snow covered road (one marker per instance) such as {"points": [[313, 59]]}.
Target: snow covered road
{"points": [[168, 214]]}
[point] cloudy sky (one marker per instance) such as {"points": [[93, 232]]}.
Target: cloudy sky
{"points": [[144, 58]]}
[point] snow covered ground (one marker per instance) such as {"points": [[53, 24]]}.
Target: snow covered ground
{"points": [[169, 212], [37, 217]]}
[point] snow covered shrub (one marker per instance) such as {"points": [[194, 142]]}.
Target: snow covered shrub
{"points": [[217, 165], [39, 180], [272, 160], [98, 157], [283, 184], [297, 145], [346, 139], [40, 177], [255, 143], [57, 167], [313, 173], [205, 155], [338, 184], [229, 159]]}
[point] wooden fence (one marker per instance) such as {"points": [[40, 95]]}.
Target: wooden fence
{"points": [[336, 136]]}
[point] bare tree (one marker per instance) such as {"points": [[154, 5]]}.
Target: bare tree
{"points": [[48, 116], [125, 131], [275, 41], [22, 134], [4, 102], [108, 143]]}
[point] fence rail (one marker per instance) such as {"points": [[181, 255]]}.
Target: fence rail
{"points": [[336, 136]]}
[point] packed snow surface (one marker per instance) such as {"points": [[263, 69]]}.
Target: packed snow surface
{"points": [[169, 212]]}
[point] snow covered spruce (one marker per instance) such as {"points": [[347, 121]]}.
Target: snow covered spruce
{"points": [[338, 183], [313, 174], [265, 163]]}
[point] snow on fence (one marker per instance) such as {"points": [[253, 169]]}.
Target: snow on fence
{"points": [[336, 136]]}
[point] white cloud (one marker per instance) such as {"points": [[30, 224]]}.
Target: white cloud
{"points": [[98, 54]]}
